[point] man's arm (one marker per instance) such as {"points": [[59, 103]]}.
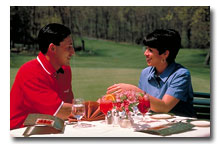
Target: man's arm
{"points": [[64, 111]]}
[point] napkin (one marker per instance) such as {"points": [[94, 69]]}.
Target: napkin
{"points": [[92, 112]]}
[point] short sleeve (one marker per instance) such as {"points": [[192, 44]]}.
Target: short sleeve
{"points": [[140, 84], [143, 78], [178, 87], [40, 97]]}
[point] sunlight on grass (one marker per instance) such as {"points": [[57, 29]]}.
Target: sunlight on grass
{"points": [[91, 83], [105, 63]]}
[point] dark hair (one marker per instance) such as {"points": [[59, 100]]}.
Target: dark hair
{"points": [[164, 39], [52, 33]]}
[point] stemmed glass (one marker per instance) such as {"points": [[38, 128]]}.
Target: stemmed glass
{"points": [[144, 106], [78, 109], [105, 106]]}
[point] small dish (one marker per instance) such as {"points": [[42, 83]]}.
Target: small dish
{"points": [[161, 116], [200, 123]]}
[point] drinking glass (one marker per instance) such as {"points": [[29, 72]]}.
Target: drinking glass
{"points": [[105, 106], [144, 106], [78, 109]]}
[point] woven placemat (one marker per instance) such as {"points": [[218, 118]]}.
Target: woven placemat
{"points": [[171, 129]]}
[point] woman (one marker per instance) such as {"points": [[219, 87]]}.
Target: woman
{"points": [[167, 83]]}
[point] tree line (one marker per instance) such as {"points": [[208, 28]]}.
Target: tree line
{"points": [[118, 23]]}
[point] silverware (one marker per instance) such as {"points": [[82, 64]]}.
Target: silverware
{"points": [[70, 123]]}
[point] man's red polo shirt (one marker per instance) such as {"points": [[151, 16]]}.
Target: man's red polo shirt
{"points": [[38, 89]]}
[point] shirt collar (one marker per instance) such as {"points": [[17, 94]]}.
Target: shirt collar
{"points": [[168, 71], [60, 70], [165, 74], [45, 64]]}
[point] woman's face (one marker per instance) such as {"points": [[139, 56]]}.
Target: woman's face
{"points": [[153, 58]]}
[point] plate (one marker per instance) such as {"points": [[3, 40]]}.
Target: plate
{"points": [[161, 116], [200, 123]]}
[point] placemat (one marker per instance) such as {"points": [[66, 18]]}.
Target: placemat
{"points": [[171, 129]]}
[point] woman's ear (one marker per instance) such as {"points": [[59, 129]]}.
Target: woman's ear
{"points": [[166, 53]]}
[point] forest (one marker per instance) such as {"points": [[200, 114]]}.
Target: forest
{"points": [[112, 41], [116, 23]]}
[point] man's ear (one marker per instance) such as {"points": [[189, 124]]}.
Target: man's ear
{"points": [[52, 47]]}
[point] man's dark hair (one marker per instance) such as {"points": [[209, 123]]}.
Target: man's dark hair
{"points": [[52, 33], [164, 39]]}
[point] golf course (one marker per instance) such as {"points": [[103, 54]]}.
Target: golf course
{"points": [[105, 63]]}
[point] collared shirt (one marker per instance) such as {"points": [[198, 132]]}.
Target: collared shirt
{"points": [[38, 89], [174, 81]]}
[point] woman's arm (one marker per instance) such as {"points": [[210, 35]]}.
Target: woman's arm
{"points": [[164, 105], [157, 105]]}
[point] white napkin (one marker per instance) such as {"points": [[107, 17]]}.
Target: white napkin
{"points": [[150, 125]]}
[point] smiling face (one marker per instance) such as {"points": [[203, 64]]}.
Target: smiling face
{"points": [[153, 58], [64, 52]]}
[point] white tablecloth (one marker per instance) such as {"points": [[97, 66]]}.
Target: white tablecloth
{"points": [[100, 129]]}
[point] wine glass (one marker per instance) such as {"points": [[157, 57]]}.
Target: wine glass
{"points": [[144, 106], [78, 109], [105, 107]]}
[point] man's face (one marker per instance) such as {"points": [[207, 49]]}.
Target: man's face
{"points": [[64, 51]]}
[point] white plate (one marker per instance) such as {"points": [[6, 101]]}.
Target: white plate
{"points": [[161, 116], [200, 123]]}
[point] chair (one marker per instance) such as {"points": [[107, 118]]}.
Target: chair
{"points": [[201, 104]]}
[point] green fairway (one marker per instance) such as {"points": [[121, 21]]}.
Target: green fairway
{"points": [[106, 63], [91, 83]]}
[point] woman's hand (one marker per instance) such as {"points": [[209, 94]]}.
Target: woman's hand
{"points": [[120, 87], [157, 105]]}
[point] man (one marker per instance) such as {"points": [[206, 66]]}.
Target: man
{"points": [[43, 85]]}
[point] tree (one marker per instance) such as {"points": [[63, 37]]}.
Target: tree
{"points": [[121, 24], [201, 28]]}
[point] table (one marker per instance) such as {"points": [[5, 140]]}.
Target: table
{"points": [[100, 129]]}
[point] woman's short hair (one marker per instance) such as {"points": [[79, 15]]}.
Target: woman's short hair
{"points": [[164, 39], [52, 33]]}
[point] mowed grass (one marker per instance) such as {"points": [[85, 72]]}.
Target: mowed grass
{"points": [[92, 83], [105, 63], [194, 60]]}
